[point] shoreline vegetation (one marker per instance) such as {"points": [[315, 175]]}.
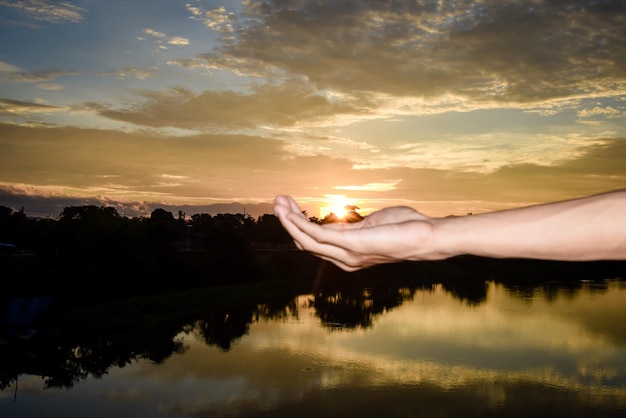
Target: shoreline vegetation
{"points": [[111, 275], [280, 276]]}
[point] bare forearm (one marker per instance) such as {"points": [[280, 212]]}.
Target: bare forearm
{"points": [[590, 228]]}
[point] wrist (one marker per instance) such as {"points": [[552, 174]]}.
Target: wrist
{"points": [[448, 239]]}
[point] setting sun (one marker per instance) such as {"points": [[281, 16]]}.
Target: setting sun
{"points": [[335, 203]]}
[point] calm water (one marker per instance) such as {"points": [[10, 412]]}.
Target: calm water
{"points": [[549, 351]]}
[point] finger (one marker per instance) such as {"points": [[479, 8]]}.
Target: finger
{"points": [[281, 200], [350, 267], [342, 226], [355, 244], [342, 256], [332, 245], [323, 234], [294, 206], [281, 210], [341, 265], [289, 204], [285, 215], [339, 256], [284, 202]]}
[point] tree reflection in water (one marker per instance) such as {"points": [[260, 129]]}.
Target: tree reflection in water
{"points": [[351, 300], [63, 360], [340, 300]]}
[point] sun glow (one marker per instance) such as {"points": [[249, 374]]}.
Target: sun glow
{"points": [[335, 203]]}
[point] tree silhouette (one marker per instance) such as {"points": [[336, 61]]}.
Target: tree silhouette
{"points": [[330, 218], [351, 216], [269, 230], [165, 229]]}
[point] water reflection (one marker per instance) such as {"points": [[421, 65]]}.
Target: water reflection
{"points": [[369, 346], [434, 353]]}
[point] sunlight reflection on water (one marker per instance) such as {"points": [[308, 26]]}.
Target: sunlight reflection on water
{"points": [[552, 354]]}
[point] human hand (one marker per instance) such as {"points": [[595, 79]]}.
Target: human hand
{"points": [[389, 235]]}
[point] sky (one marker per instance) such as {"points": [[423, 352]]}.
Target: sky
{"points": [[204, 106]]}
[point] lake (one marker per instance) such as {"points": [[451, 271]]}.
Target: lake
{"points": [[551, 349]]}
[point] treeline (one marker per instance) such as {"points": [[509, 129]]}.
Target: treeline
{"points": [[96, 253], [101, 251]]}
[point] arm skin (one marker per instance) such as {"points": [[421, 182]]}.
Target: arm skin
{"points": [[589, 228]]}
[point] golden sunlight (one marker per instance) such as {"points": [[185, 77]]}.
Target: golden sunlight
{"points": [[335, 203]]}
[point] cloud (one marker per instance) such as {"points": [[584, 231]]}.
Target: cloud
{"points": [[597, 167], [218, 166], [42, 203], [244, 67], [217, 19], [135, 72], [606, 112], [276, 105], [8, 68], [36, 76], [50, 86], [178, 40], [383, 186], [502, 52], [64, 163], [189, 63], [205, 169], [154, 33], [174, 40], [47, 10], [22, 108]]}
